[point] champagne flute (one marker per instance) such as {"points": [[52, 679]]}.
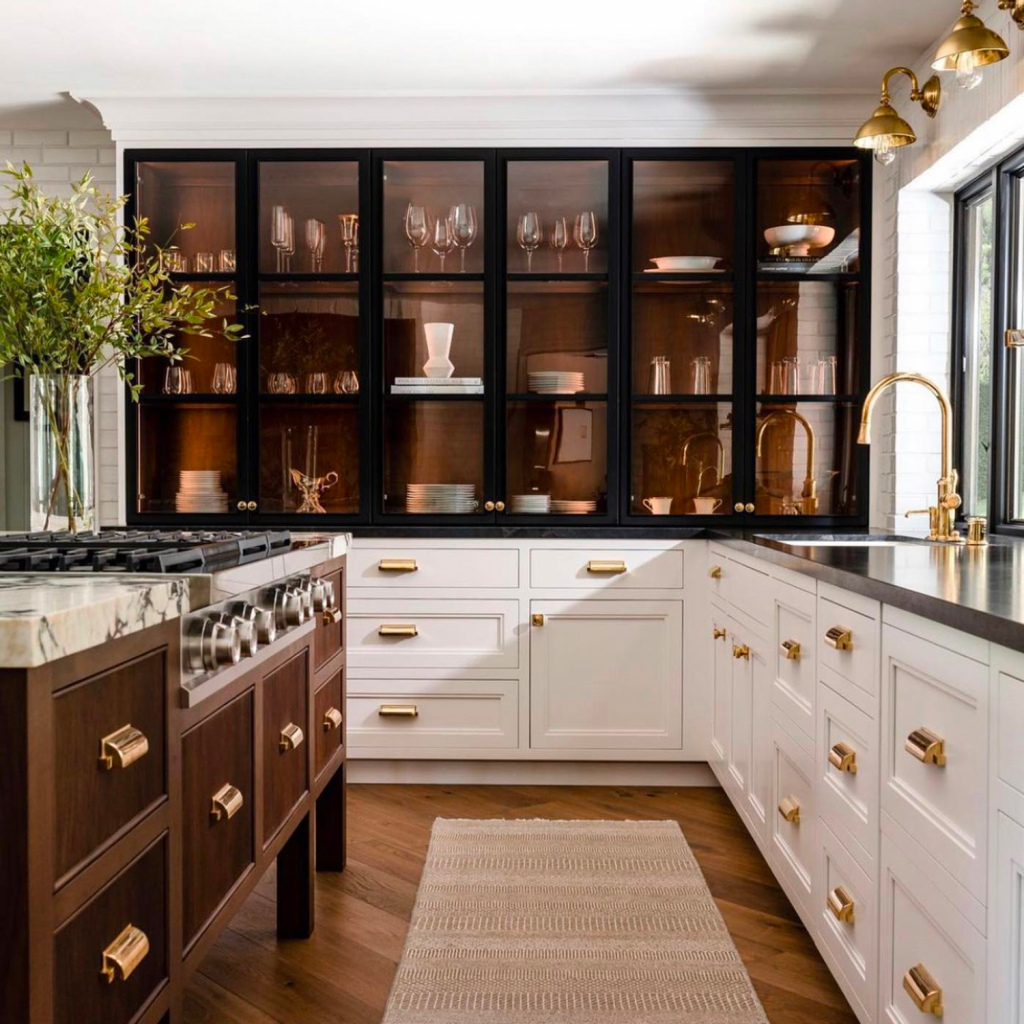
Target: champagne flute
{"points": [[529, 233], [289, 242], [417, 230], [559, 239], [444, 239], [279, 233], [349, 225], [585, 233], [464, 228], [316, 239]]}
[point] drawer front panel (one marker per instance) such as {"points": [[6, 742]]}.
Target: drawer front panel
{"points": [[748, 590], [433, 567], [217, 838], [135, 897], [433, 713], [857, 664], [284, 765], [794, 677], [93, 801], [329, 637], [793, 841], [448, 634], [327, 706], [1009, 715], [944, 807], [599, 569]]}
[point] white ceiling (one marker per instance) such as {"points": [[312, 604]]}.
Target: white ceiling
{"points": [[332, 47]]}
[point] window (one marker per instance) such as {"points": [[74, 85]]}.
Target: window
{"points": [[1015, 356]]}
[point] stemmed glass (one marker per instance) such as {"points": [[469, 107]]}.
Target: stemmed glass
{"points": [[282, 237], [464, 228], [316, 240], [585, 233], [559, 239], [529, 234], [349, 225], [444, 239], [417, 230]]}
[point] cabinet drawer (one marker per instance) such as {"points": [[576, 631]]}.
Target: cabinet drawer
{"points": [[942, 806], [217, 823], [600, 569], [794, 680], [439, 634], [328, 721], [1008, 718], [847, 907], [748, 590], [95, 798], [848, 644], [792, 818], [433, 713], [433, 567], [136, 897], [284, 750], [920, 926], [329, 637]]}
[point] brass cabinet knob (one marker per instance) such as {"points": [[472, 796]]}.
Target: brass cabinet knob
{"points": [[738, 507], [928, 747], [749, 507], [537, 618], [923, 989], [500, 506], [398, 629], [123, 747], [843, 758], [741, 651], [715, 572], [398, 711], [251, 506], [291, 737], [840, 904], [226, 802], [397, 565], [789, 808], [839, 638], [331, 616], [332, 719], [790, 650], [241, 506], [608, 567], [489, 506], [718, 634], [124, 954]]}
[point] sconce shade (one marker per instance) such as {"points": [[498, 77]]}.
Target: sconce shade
{"points": [[970, 35], [884, 128]]}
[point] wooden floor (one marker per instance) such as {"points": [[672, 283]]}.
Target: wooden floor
{"points": [[342, 975]]}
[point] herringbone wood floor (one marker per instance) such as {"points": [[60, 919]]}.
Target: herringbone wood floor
{"points": [[342, 975]]}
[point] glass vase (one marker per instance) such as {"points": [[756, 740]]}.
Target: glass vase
{"points": [[62, 459]]}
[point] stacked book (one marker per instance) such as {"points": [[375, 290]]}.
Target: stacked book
{"points": [[438, 386]]}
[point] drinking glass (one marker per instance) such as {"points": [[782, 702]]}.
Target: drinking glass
{"points": [[444, 239], [791, 375], [417, 230], [825, 376], [559, 240], [659, 376], [226, 261], [529, 233], [204, 263], [316, 240], [775, 384], [464, 229], [346, 383], [281, 383], [282, 238], [348, 223], [701, 375], [175, 381], [316, 383], [585, 233], [175, 261], [224, 380]]}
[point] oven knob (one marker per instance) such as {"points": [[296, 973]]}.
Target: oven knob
{"points": [[287, 607], [261, 618], [247, 635], [225, 647], [305, 600], [319, 588]]}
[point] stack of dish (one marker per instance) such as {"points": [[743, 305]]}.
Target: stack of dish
{"points": [[555, 382], [199, 490], [576, 508], [440, 498], [531, 504]]}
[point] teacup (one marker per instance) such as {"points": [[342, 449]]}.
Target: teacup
{"points": [[706, 506], [658, 506]]}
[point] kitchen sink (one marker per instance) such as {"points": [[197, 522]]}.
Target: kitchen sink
{"points": [[838, 540]]}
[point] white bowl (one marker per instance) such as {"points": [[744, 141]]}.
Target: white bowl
{"points": [[799, 238], [685, 262]]}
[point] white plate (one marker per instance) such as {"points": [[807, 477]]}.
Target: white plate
{"points": [[685, 263]]}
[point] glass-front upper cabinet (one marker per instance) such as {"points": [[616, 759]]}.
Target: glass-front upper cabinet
{"points": [[560, 255], [683, 312]]}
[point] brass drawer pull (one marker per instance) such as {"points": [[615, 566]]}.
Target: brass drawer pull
{"points": [[610, 568], [537, 618], [715, 572], [839, 638], [122, 748], [927, 747], [331, 616], [843, 758], [124, 954], [719, 634], [840, 904], [332, 719], [790, 650], [923, 989], [741, 651], [291, 737], [227, 802], [397, 565], [398, 711], [790, 810], [398, 630]]}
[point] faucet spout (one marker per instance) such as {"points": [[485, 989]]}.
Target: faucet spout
{"points": [[720, 456], [810, 488]]}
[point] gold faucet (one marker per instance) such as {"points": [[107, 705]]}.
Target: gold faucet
{"points": [[809, 495], [720, 463], [941, 515]]}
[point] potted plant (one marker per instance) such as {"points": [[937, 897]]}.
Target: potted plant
{"points": [[79, 292]]}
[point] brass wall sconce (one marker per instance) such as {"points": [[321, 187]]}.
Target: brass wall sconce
{"points": [[971, 46], [885, 131], [1016, 9]]}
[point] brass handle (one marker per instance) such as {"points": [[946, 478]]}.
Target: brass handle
{"points": [[122, 748], [332, 719], [840, 904], [612, 568], [790, 810], [839, 638], [489, 506], [719, 634], [500, 506], [394, 629], [226, 803], [749, 507], [741, 651], [331, 616], [398, 711], [241, 506], [251, 506], [923, 989], [537, 619], [1014, 336], [843, 758], [715, 572], [397, 565], [291, 737], [124, 954], [928, 747], [738, 507], [790, 650]]}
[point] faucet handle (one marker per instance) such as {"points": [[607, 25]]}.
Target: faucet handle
{"points": [[933, 517]]}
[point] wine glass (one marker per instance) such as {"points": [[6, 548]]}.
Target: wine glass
{"points": [[316, 240], [346, 383], [529, 234], [444, 239], [585, 233], [174, 381], [417, 230], [224, 379], [281, 234], [559, 239], [349, 225], [464, 228], [316, 383], [279, 383]]}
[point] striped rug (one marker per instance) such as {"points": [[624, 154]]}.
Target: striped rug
{"points": [[574, 922]]}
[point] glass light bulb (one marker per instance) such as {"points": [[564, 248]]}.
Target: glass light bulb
{"points": [[968, 74], [885, 153]]}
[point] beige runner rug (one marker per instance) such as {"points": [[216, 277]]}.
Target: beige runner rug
{"points": [[574, 922]]}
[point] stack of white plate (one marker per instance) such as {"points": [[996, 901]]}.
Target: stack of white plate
{"points": [[555, 382], [199, 490], [573, 507], [531, 504], [440, 498]]}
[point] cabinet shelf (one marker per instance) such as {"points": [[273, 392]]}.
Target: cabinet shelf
{"points": [[309, 278], [432, 277], [579, 396], [554, 278], [680, 399], [433, 397], [826, 399], [302, 399], [219, 277], [193, 399]]}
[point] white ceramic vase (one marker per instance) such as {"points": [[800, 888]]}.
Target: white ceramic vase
{"points": [[439, 344]]}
